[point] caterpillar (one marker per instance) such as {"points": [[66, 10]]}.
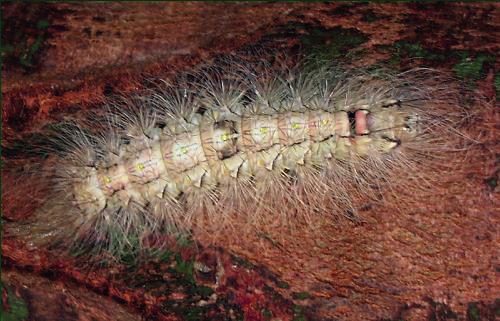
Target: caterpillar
{"points": [[245, 143]]}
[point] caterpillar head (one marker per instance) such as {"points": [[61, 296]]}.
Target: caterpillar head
{"points": [[386, 127], [393, 125]]}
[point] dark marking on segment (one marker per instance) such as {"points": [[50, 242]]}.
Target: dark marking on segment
{"points": [[394, 140]]}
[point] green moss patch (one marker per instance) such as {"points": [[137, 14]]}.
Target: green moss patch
{"points": [[413, 50], [330, 44], [16, 309], [325, 44], [472, 67]]}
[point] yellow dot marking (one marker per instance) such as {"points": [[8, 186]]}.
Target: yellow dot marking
{"points": [[295, 126], [184, 150], [324, 122], [140, 166], [224, 137], [264, 130], [107, 180]]}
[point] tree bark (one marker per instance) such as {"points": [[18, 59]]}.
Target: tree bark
{"points": [[436, 260]]}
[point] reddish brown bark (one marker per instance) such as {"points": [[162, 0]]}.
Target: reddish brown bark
{"points": [[435, 260]]}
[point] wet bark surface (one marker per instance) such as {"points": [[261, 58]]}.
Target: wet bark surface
{"points": [[435, 260]]}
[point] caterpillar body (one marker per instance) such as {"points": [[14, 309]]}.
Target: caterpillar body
{"points": [[245, 144]]}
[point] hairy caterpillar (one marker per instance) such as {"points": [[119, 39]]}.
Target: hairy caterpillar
{"points": [[249, 144]]}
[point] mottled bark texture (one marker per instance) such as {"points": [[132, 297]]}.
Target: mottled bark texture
{"points": [[436, 259]]}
